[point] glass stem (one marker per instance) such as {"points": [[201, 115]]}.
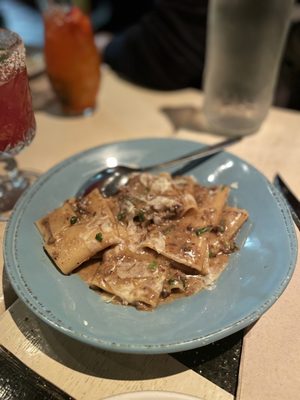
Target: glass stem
{"points": [[9, 166], [12, 182]]}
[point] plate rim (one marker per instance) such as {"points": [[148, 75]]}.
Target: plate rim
{"points": [[14, 278], [166, 394]]}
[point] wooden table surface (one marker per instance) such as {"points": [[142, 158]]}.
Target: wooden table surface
{"points": [[125, 112]]}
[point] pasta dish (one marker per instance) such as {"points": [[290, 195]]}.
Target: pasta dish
{"points": [[157, 239]]}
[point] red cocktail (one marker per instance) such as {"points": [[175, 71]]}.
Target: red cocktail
{"points": [[72, 60], [17, 122]]}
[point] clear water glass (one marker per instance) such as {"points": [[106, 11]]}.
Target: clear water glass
{"points": [[244, 47]]}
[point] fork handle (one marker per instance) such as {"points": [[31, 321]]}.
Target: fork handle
{"points": [[203, 152]]}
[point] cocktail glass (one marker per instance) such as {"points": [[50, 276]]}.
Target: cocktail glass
{"points": [[17, 122], [72, 59]]}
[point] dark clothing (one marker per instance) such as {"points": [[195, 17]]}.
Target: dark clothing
{"points": [[166, 49]]}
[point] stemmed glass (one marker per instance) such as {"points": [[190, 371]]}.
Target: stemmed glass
{"points": [[17, 122]]}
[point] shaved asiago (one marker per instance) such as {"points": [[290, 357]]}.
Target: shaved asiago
{"points": [[158, 239], [134, 278], [180, 245]]}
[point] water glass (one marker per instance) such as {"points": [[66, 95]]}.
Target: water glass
{"points": [[244, 46]]}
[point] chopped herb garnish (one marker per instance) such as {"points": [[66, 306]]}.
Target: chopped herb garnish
{"points": [[99, 237], [3, 57], [153, 266], [139, 217], [168, 229], [73, 220], [121, 215], [221, 228], [229, 247], [205, 229]]}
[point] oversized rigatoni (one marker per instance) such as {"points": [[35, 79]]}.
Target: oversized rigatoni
{"points": [[157, 239], [78, 230]]}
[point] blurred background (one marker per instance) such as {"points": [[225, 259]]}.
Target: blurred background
{"points": [[24, 16], [112, 17]]}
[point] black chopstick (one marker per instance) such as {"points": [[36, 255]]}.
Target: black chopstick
{"points": [[291, 199]]}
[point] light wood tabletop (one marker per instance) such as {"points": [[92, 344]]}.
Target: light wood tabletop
{"points": [[126, 112]]}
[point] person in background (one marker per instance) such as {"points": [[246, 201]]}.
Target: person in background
{"points": [[159, 44], [165, 49]]}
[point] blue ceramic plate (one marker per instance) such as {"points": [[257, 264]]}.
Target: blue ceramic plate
{"points": [[252, 282]]}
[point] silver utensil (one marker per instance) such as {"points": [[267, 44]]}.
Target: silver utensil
{"points": [[291, 199], [110, 180]]}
